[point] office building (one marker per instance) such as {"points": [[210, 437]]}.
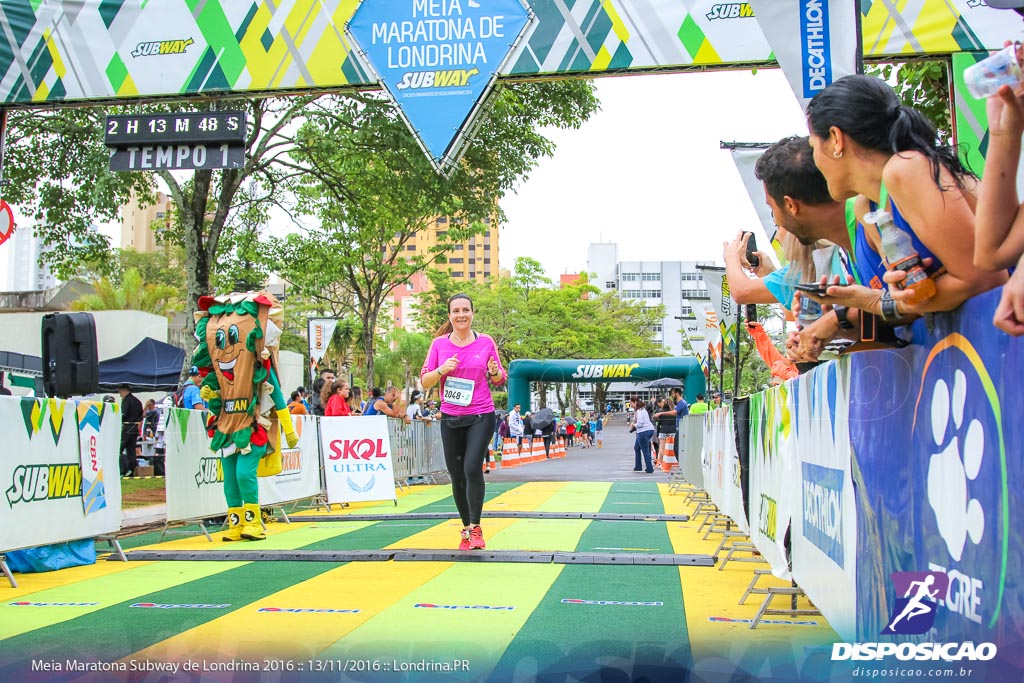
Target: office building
{"points": [[138, 231]]}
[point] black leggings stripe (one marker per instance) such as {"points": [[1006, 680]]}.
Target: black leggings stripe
{"points": [[465, 440]]}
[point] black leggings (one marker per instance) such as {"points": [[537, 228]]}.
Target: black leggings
{"points": [[465, 440]]}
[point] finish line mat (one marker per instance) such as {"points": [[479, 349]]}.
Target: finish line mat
{"points": [[286, 620]]}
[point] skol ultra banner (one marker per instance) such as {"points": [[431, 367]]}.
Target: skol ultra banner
{"points": [[772, 475], [824, 518], [194, 474], [300, 467], [59, 50], [41, 472], [937, 449], [814, 41], [358, 464]]}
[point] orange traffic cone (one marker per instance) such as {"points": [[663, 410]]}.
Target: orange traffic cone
{"points": [[668, 458]]}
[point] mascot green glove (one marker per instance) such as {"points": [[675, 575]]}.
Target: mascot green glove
{"points": [[237, 356]]}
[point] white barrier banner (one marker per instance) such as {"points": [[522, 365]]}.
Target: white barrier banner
{"points": [[195, 474], [772, 467], [721, 465], [357, 459], [41, 472], [825, 518], [300, 470]]}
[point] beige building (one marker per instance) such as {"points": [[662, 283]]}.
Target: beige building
{"points": [[474, 259], [137, 230]]}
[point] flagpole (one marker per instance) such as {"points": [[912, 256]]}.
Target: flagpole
{"points": [[736, 355]]}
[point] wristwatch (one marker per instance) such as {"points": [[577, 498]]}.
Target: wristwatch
{"points": [[890, 312], [841, 313]]}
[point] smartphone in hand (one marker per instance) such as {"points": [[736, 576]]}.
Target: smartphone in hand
{"points": [[812, 288], [752, 258]]}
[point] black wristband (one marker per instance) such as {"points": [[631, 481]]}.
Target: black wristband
{"points": [[842, 313], [890, 312]]}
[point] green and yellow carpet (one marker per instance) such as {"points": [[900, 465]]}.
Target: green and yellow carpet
{"points": [[304, 621]]}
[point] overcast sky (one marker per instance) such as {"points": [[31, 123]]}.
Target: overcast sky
{"points": [[647, 172]]}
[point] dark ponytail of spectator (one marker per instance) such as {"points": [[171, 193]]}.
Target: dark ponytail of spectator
{"points": [[869, 111]]}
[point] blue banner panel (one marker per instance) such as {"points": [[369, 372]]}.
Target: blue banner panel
{"points": [[938, 434]]}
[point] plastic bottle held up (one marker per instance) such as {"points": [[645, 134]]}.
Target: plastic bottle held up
{"points": [[898, 251]]}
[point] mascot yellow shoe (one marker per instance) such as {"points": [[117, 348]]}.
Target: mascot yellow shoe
{"points": [[252, 530], [234, 532]]}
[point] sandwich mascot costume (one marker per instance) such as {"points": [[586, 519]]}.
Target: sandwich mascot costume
{"points": [[237, 356]]}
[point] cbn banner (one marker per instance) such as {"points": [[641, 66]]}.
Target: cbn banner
{"points": [[41, 471], [358, 465], [56, 50], [824, 519], [773, 477], [721, 465], [300, 472], [194, 474], [938, 455], [814, 41]]}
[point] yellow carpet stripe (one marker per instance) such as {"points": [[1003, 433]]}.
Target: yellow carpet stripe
{"points": [[713, 593], [524, 498], [145, 578], [249, 634], [577, 496], [30, 584]]}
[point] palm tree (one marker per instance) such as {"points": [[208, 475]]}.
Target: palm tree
{"points": [[131, 295]]}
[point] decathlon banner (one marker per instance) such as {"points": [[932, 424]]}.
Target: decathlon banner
{"points": [[938, 453], [94, 497], [194, 474], [721, 465], [824, 517], [772, 475], [57, 50], [41, 472], [320, 332], [300, 471], [357, 459], [814, 41]]}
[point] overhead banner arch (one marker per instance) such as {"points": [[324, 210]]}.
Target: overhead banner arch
{"points": [[59, 51], [688, 370]]}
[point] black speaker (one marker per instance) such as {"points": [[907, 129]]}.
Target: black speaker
{"points": [[71, 364]]}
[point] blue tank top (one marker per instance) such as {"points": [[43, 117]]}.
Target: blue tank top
{"points": [[868, 268], [371, 408], [902, 224]]}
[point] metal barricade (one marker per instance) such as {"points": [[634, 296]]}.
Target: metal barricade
{"points": [[416, 449]]}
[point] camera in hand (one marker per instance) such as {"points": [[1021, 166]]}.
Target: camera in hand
{"points": [[752, 258]]}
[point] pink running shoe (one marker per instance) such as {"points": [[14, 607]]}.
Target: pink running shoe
{"points": [[476, 538], [465, 543]]}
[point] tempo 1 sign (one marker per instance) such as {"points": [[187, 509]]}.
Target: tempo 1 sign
{"points": [[176, 157], [176, 141]]}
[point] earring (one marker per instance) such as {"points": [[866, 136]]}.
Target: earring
{"points": [[837, 155]]}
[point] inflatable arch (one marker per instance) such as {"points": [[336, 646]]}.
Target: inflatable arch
{"points": [[521, 372]]}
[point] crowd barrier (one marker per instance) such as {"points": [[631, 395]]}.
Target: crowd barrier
{"points": [[59, 471], [885, 462]]}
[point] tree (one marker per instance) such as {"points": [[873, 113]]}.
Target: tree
{"points": [[923, 85], [373, 191], [130, 295], [402, 357], [56, 172]]}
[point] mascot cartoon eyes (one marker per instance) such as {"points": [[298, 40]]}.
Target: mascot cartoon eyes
{"points": [[232, 337]]}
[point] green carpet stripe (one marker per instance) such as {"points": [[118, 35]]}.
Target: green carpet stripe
{"points": [[118, 631], [634, 498], [577, 497], [447, 504], [560, 640], [112, 589], [404, 632]]}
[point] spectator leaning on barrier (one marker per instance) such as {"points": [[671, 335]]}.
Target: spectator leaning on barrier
{"points": [[385, 402], [326, 375], [866, 142], [414, 411], [334, 396], [296, 406]]}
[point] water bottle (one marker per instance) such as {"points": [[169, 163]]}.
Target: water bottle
{"points": [[899, 253], [810, 310]]}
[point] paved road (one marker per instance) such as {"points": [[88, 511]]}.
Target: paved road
{"points": [[614, 462]]}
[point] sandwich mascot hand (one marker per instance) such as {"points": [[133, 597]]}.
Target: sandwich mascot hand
{"points": [[237, 356]]}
